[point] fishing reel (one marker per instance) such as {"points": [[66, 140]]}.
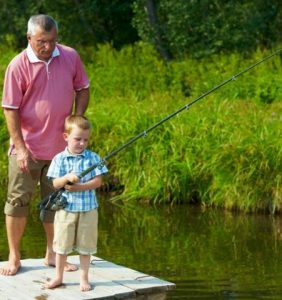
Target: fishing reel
{"points": [[59, 203], [54, 201]]}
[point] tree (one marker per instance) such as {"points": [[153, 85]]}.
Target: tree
{"points": [[208, 26], [175, 27], [87, 22], [156, 30]]}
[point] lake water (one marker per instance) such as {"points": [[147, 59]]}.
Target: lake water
{"points": [[208, 254]]}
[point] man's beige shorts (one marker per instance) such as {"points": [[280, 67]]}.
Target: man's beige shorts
{"points": [[75, 231], [22, 186]]}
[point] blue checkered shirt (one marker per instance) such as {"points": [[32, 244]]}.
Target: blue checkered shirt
{"points": [[64, 163]]}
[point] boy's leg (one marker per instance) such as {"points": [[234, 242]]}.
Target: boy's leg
{"points": [[84, 270], [60, 265], [50, 255], [86, 242]]}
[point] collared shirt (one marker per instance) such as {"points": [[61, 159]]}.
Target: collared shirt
{"points": [[43, 94], [34, 59], [64, 163]]}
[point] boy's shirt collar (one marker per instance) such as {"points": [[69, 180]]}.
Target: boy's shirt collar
{"points": [[68, 154]]}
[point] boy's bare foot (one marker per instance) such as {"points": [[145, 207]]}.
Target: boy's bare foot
{"points": [[85, 286], [11, 268], [53, 284], [68, 266]]}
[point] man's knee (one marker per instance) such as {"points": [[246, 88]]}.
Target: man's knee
{"points": [[47, 216], [16, 211]]}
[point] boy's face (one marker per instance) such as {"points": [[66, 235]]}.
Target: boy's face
{"points": [[77, 140]]}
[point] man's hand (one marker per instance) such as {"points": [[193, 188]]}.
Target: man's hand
{"points": [[23, 157]]}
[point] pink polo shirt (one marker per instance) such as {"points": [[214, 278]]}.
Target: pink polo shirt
{"points": [[43, 93]]}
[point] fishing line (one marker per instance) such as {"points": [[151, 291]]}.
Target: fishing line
{"points": [[50, 200]]}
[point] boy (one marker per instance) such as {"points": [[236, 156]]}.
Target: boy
{"points": [[75, 226]]}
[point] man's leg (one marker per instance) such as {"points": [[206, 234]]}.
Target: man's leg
{"points": [[50, 254], [15, 228], [16, 209]]}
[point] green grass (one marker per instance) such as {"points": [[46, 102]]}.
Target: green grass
{"points": [[225, 151]]}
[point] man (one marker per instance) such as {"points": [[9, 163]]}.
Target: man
{"points": [[42, 85]]}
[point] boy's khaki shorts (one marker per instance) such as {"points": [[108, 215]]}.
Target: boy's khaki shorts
{"points": [[75, 231], [22, 186]]}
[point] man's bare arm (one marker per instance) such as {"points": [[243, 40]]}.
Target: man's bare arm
{"points": [[81, 101], [14, 128]]}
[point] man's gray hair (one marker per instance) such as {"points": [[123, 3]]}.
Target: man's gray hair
{"points": [[44, 22]]}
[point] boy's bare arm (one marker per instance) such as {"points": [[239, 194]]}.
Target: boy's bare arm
{"points": [[92, 184], [61, 182]]}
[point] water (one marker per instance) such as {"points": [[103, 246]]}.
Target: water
{"points": [[208, 254]]}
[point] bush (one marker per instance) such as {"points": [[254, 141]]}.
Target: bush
{"points": [[225, 151]]}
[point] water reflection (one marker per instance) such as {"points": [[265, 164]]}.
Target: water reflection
{"points": [[208, 254]]}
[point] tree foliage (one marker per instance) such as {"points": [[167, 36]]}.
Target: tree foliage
{"points": [[176, 28], [205, 27], [87, 22]]}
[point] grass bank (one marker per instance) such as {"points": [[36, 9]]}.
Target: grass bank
{"points": [[224, 152]]}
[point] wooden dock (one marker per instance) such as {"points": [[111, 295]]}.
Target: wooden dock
{"points": [[109, 281]]}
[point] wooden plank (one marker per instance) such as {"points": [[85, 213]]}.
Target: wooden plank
{"points": [[140, 282], [29, 282], [10, 291], [104, 276], [33, 275]]}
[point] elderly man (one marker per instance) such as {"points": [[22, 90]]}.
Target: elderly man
{"points": [[43, 85]]}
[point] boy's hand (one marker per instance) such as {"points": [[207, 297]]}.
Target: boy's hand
{"points": [[65, 181], [72, 187], [71, 178]]}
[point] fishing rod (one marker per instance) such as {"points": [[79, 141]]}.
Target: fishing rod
{"points": [[55, 200]]}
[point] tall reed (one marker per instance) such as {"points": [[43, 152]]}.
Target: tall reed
{"points": [[224, 152]]}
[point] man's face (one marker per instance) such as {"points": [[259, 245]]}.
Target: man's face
{"points": [[43, 43]]}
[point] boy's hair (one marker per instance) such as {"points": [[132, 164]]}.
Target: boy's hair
{"points": [[76, 121]]}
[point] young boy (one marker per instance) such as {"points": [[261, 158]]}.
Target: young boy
{"points": [[75, 226]]}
